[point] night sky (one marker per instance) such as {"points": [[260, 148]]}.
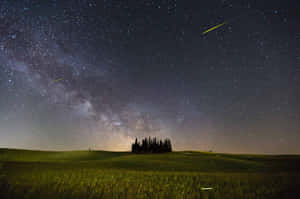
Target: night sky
{"points": [[96, 74]]}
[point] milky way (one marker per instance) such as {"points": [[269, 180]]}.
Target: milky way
{"points": [[96, 74]]}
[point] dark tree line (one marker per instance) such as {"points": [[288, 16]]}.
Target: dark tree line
{"points": [[151, 145]]}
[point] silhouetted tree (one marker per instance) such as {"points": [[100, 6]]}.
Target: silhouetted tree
{"points": [[151, 145]]}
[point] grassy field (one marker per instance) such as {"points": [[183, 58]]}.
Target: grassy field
{"points": [[100, 174]]}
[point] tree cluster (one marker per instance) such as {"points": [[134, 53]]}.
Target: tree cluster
{"points": [[151, 145]]}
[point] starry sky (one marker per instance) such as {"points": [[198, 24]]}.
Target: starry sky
{"points": [[79, 74]]}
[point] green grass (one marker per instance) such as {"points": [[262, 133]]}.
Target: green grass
{"points": [[100, 174]]}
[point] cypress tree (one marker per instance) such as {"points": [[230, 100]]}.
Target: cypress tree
{"points": [[151, 145]]}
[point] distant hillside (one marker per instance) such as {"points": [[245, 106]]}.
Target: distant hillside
{"points": [[175, 161]]}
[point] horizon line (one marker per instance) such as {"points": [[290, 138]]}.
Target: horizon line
{"points": [[129, 151]]}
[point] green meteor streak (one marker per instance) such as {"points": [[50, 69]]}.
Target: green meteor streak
{"points": [[213, 28], [57, 80]]}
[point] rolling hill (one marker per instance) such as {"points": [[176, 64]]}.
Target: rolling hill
{"points": [[102, 174]]}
